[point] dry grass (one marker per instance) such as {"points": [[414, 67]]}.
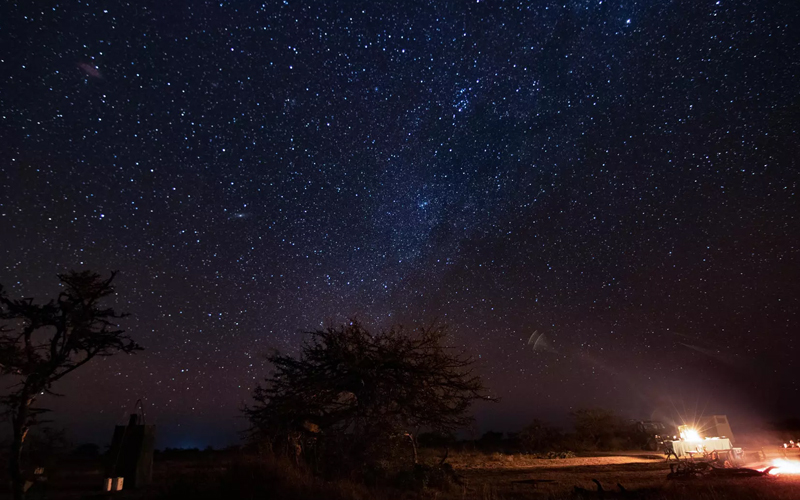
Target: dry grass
{"points": [[478, 460], [497, 476], [250, 478], [503, 478], [485, 477]]}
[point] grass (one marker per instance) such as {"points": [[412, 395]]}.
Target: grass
{"points": [[493, 476], [479, 460], [642, 477], [251, 478]]}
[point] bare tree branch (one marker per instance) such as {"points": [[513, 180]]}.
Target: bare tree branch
{"points": [[53, 340]]}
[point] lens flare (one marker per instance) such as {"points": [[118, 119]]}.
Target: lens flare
{"points": [[690, 435], [783, 466]]}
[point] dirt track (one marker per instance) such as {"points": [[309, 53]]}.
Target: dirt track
{"points": [[640, 476], [565, 474]]}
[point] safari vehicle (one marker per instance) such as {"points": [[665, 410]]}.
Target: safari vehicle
{"points": [[652, 434]]}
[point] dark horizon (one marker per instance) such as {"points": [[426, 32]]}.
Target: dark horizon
{"points": [[599, 199], [191, 435]]}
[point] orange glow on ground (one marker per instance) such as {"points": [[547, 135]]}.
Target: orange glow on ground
{"points": [[783, 466]]}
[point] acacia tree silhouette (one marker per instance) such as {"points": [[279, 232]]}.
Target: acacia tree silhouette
{"points": [[355, 391], [42, 343]]}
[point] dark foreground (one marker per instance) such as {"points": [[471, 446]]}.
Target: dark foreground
{"points": [[213, 475]]}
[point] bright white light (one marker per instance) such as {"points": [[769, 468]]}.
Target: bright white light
{"points": [[690, 435]]}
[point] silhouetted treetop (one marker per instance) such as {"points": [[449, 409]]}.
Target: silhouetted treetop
{"points": [[41, 343], [368, 386]]}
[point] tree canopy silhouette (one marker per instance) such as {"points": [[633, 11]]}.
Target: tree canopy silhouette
{"points": [[42, 343], [361, 390]]}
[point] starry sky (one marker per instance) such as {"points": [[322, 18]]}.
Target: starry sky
{"points": [[614, 180]]}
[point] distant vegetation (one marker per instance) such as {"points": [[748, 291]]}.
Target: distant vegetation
{"points": [[594, 429]]}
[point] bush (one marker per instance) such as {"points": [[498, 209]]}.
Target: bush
{"points": [[538, 436], [436, 440], [423, 476], [600, 429]]}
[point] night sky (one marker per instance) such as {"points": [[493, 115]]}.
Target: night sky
{"points": [[617, 177]]}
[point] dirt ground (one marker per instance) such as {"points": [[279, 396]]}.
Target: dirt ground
{"points": [[561, 476], [494, 477], [640, 476]]}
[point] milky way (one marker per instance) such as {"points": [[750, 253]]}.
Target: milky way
{"points": [[619, 176]]}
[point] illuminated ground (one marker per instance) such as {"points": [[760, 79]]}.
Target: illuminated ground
{"points": [[640, 476], [205, 475]]}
